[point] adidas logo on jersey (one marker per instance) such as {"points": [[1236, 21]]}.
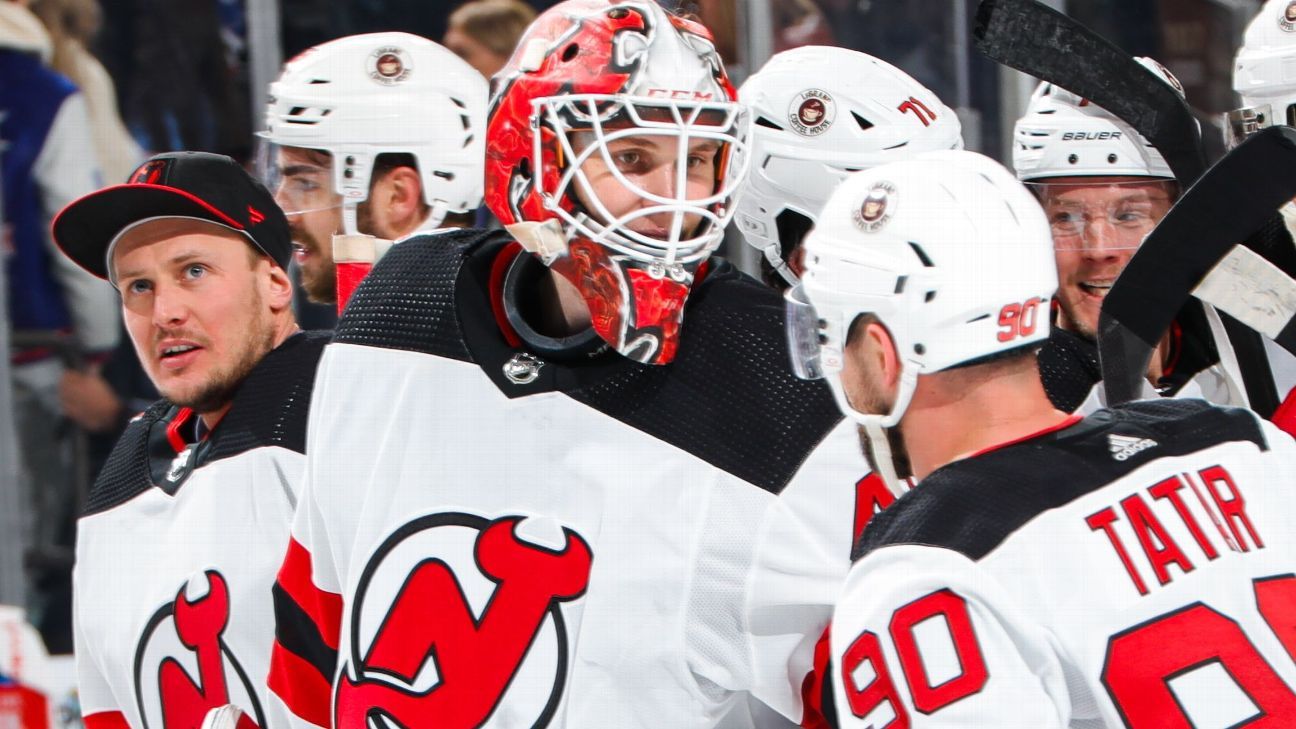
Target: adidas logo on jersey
{"points": [[1124, 446]]}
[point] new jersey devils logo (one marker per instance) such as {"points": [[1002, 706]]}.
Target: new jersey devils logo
{"points": [[457, 622], [183, 667]]}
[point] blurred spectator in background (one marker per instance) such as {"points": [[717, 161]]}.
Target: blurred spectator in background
{"points": [[485, 32], [181, 85], [800, 23], [73, 25], [48, 160], [721, 18], [88, 395]]}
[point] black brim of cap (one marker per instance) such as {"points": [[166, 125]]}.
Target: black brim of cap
{"points": [[86, 227]]}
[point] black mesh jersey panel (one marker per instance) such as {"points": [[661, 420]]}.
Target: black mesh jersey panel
{"points": [[1068, 366], [270, 409], [729, 398], [408, 300], [973, 505]]}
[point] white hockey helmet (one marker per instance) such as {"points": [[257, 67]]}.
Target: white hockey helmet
{"points": [[950, 253], [1264, 73], [820, 113], [1063, 135], [365, 95]]}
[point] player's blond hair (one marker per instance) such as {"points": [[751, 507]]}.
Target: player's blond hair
{"points": [[496, 24]]}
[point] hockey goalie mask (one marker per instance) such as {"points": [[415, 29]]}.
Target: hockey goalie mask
{"points": [[615, 153], [1264, 73], [947, 251], [821, 113]]}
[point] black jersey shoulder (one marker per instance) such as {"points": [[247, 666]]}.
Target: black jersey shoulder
{"points": [[1068, 366], [971, 506], [408, 301], [730, 397], [270, 408]]}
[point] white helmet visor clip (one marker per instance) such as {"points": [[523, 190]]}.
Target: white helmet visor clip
{"points": [[1242, 123]]}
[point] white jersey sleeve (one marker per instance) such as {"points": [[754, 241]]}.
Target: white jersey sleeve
{"points": [[99, 709]]}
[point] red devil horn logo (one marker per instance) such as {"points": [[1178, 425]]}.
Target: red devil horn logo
{"points": [[476, 657], [199, 624]]}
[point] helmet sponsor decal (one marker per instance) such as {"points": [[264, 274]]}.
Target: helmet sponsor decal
{"points": [[389, 65], [876, 209], [811, 112], [1287, 21]]}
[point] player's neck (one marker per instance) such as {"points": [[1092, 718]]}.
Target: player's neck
{"points": [[943, 425], [562, 308]]}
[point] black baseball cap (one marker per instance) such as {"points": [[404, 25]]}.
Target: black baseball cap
{"points": [[198, 185]]}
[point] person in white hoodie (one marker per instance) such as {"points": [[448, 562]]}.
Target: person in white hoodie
{"points": [[47, 160]]}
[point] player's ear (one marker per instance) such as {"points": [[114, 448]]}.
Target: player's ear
{"points": [[397, 197], [882, 350], [278, 286]]}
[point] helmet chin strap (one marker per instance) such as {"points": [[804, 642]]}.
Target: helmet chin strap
{"points": [[440, 208], [774, 255], [883, 459], [349, 217], [876, 426]]}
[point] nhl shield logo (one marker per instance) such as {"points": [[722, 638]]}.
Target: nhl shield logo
{"points": [[496, 653], [812, 112], [1287, 21], [389, 65], [876, 209]]}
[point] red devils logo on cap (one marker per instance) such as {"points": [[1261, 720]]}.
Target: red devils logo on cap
{"points": [[150, 172], [184, 668], [455, 616]]}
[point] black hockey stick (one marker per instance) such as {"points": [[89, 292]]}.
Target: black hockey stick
{"points": [[1036, 39], [1192, 250]]}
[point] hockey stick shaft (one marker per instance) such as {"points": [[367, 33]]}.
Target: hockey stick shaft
{"points": [[1038, 40], [1231, 202]]}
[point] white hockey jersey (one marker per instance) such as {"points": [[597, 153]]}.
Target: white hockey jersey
{"points": [[1131, 569], [499, 537], [178, 550]]}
